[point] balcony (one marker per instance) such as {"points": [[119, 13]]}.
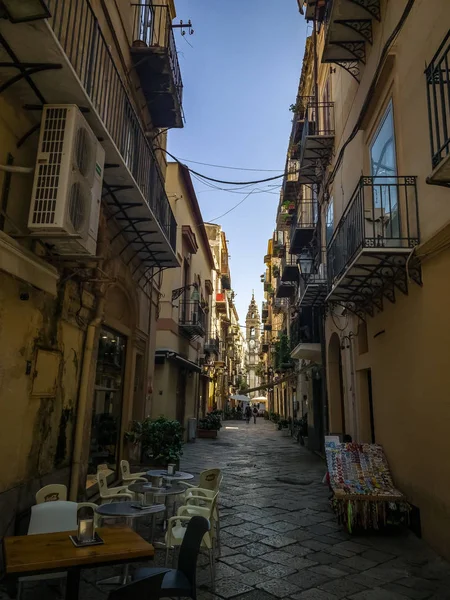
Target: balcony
{"points": [[348, 29], [221, 302], [438, 93], [212, 346], [305, 336], [155, 59], [298, 124], [290, 182], [369, 255], [286, 213], [264, 311], [289, 268], [285, 289], [304, 224], [317, 142], [192, 319], [314, 289], [71, 61]]}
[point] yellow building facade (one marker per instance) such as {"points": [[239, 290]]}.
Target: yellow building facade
{"points": [[77, 302]]}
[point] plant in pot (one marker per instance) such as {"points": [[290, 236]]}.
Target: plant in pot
{"points": [[161, 441], [209, 425]]}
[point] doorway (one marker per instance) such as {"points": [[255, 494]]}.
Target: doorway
{"points": [[336, 386]]}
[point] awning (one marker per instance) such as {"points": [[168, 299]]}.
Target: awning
{"points": [[265, 386], [308, 352], [163, 354]]}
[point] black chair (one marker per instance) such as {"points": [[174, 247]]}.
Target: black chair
{"points": [[144, 589], [180, 582]]}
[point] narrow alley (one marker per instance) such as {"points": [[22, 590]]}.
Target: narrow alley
{"points": [[280, 538]]}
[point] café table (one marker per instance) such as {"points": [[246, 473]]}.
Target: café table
{"points": [[162, 473], [43, 553], [151, 492], [131, 511]]}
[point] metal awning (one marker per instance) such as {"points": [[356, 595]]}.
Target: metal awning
{"points": [[163, 354]]}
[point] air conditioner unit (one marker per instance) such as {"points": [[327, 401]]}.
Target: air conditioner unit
{"points": [[67, 188]]}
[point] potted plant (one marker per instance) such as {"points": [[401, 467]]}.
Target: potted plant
{"points": [[209, 425], [160, 439]]}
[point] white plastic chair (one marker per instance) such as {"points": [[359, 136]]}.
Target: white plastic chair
{"points": [[202, 497], [51, 493], [106, 493], [128, 476], [210, 479], [51, 517], [176, 530]]}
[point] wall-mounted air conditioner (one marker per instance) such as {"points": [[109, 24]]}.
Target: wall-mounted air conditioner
{"points": [[67, 188]]}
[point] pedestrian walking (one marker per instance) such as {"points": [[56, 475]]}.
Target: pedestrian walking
{"points": [[255, 413], [248, 413]]}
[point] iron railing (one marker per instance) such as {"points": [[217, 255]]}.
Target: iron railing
{"points": [[78, 31], [212, 345], [305, 328], [319, 120], [306, 217], [152, 26], [192, 315], [438, 93], [381, 214]]}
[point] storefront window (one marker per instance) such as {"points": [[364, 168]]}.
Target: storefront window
{"points": [[107, 409]]}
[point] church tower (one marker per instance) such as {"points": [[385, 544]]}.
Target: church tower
{"points": [[253, 336]]}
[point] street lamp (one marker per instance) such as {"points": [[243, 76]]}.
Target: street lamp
{"points": [[25, 10], [305, 262]]}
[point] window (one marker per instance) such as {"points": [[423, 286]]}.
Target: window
{"points": [[329, 220], [382, 218]]}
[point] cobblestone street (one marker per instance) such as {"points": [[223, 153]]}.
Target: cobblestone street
{"points": [[279, 536]]}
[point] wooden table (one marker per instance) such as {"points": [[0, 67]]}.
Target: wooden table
{"points": [[53, 552]]}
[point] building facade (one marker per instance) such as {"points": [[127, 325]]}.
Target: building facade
{"points": [[369, 155], [181, 387], [80, 182], [253, 340]]}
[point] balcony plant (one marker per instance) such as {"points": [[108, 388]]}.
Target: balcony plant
{"points": [[160, 441]]}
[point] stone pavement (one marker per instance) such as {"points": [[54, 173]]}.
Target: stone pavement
{"points": [[280, 539]]}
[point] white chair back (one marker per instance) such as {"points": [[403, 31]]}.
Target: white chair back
{"points": [[51, 517], [102, 483], [51, 493], [125, 468], [210, 479]]}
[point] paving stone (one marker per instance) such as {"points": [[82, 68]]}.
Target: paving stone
{"points": [[307, 579], [407, 591], [314, 595], [385, 573], [328, 571], [323, 558], [282, 526], [255, 595], [301, 534], [351, 547], [234, 558], [254, 550], [278, 587], [232, 541], [226, 551], [298, 550], [276, 571], [265, 531], [314, 544], [284, 558], [418, 583], [278, 541], [377, 556], [377, 594], [230, 521], [358, 563], [254, 577], [256, 563], [228, 588], [342, 587], [242, 568]]}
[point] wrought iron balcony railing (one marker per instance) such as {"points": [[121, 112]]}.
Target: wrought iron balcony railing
{"points": [[212, 345], [305, 328], [382, 216], [78, 31], [192, 318], [303, 224], [153, 27], [438, 93]]}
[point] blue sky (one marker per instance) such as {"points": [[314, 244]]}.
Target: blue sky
{"points": [[239, 80]]}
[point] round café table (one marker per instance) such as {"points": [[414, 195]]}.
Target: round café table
{"points": [[151, 492], [179, 475], [131, 511]]}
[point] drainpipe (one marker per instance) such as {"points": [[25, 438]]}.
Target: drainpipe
{"points": [[88, 360]]}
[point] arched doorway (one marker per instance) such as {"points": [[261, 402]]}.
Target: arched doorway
{"points": [[335, 386]]}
